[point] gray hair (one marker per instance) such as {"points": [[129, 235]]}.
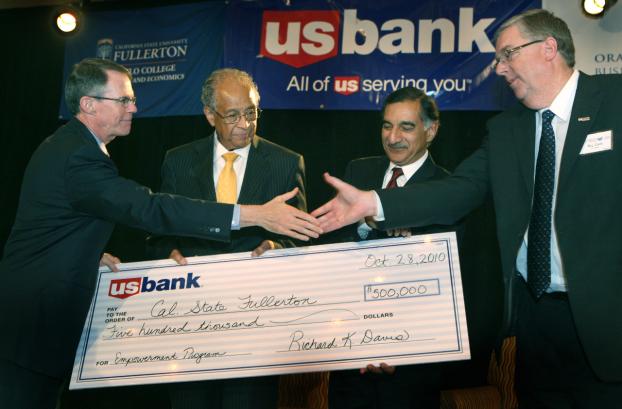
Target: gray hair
{"points": [[89, 77], [208, 93], [538, 24]]}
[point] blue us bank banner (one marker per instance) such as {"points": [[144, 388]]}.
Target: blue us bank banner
{"points": [[169, 50], [349, 54]]}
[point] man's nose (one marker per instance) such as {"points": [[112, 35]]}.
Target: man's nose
{"points": [[243, 122], [501, 68], [394, 135]]}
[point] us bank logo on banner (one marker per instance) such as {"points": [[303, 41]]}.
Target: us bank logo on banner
{"points": [[351, 54], [168, 50]]}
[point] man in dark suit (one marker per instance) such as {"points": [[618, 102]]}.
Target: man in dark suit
{"points": [[231, 105], [71, 197], [553, 172], [410, 121], [261, 167]]}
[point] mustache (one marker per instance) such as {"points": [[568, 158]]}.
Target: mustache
{"points": [[398, 145]]}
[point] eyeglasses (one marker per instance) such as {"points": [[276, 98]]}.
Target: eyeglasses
{"points": [[125, 101], [233, 118], [508, 53]]}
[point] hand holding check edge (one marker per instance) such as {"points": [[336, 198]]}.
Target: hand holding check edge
{"points": [[262, 248], [399, 232], [110, 261], [381, 369]]}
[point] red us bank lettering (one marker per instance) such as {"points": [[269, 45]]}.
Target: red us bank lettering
{"points": [[299, 38], [127, 287], [347, 85], [123, 288]]}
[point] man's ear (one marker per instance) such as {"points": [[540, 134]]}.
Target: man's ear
{"points": [[430, 133], [87, 105], [211, 118], [550, 48]]}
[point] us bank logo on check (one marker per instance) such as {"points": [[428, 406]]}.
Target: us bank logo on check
{"points": [[127, 287]]}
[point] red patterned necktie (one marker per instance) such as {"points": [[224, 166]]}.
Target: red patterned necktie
{"points": [[397, 172]]}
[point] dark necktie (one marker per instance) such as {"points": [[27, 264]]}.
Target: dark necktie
{"points": [[539, 245], [397, 172]]}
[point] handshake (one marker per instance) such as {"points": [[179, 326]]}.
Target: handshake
{"points": [[348, 206]]}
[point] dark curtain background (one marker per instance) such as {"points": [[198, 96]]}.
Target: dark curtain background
{"points": [[31, 86]]}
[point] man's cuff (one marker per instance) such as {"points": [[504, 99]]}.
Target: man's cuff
{"points": [[235, 220], [363, 230], [379, 216]]}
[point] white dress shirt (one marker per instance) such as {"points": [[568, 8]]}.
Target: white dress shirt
{"points": [[562, 108], [363, 228]]}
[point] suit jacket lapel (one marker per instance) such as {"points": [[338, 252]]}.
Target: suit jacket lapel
{"points": [[379, 172], [586, 105], [523, 138], [205, 168], [425, 172], [254, 175]]}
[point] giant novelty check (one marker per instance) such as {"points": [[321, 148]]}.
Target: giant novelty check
{"points": [[295, 310]]}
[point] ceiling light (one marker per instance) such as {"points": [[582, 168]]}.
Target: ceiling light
{"points": [[67, 20], [597, 8]]}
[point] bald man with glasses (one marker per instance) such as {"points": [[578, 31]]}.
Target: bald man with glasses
{"points": [[232, 165]]}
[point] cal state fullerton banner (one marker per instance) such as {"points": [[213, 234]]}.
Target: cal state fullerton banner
{"points": [[349, 54], [169, 50]]}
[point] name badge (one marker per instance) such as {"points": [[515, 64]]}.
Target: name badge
{"points": [[597, 142]]}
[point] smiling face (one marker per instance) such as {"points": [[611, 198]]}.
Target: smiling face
{"points": [[109, 119], [524, 71], [233, 97], [404, 136]]}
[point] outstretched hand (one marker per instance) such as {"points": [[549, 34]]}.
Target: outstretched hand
{"points": [[279, 217], [348, 206]]}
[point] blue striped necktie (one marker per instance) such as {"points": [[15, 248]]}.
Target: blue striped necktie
{"points": [[539, 245]]}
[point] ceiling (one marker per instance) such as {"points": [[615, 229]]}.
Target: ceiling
{"points": [[13, 4]]}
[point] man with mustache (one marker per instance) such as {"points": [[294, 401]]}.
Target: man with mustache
{"points": [[410, 121], [553, 169]]}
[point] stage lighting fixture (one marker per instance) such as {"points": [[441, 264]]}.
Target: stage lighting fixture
{"points": [[66, 20], [597, 8]]}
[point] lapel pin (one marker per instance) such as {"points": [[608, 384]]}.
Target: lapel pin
{"points": [[584, 118]]}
